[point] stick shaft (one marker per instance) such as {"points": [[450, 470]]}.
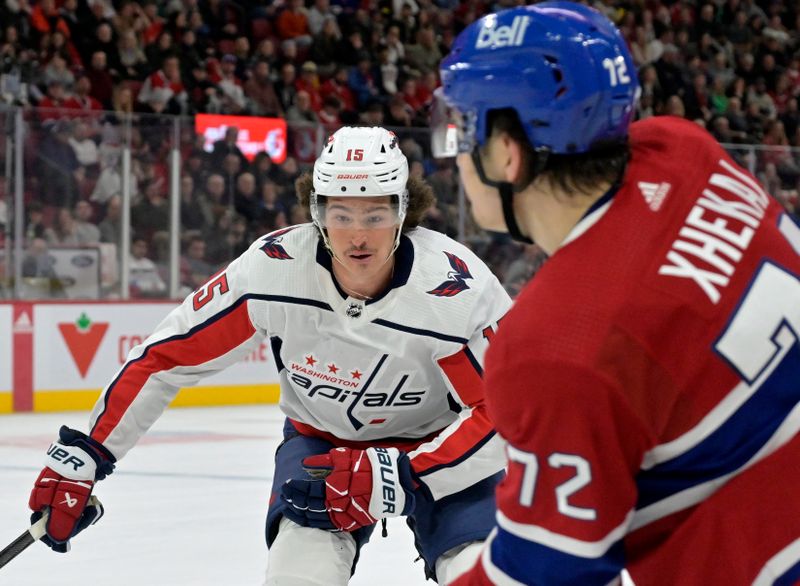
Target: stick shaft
{"points": [[22, 542]]}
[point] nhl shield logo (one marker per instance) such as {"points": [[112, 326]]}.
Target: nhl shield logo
{"points": [[354, 310]]}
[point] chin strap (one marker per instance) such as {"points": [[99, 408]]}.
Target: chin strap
{"points": [[507, 191]]}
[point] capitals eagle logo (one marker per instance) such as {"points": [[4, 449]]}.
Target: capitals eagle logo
{"points": [[455, 282], [272, 246]]}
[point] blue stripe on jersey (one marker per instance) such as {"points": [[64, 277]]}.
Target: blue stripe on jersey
{"points": [[732, 444], [420, 332], [790, 577], [473, 361], [533, 563], [462, 457]]}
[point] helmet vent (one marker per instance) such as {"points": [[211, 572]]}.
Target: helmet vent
{"points": [[558, 75], [561, 91], [383, 149]]}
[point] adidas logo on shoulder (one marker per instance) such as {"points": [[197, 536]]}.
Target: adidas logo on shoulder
{"points": [[654, 193]]}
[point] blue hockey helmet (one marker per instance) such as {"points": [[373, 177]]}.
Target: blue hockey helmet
{"points": [[563, 67]]}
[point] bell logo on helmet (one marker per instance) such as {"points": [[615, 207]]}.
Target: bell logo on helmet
{"points": [[491, 37]]}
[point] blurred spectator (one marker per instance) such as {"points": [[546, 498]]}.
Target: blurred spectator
{"points": [[302, 110], [758, 96], [151, 214], [337, 86], [195, 269], [246, 201], [372, 114], [101, 81], [227, 146], [35, 227], [144, 278], [318, 14], [66, 231], [192, 216], [424, 55], [292, 23], [163, 91], [285, 86], [84, 146], [362, 80], [329, 116], [110, 226], [158, 52], [85, 231], [696, 100], [309, 83], [231, 99], [57, 70], [81, 98], [38, 263], [271, 207], [59, 172], [399, 113], [396, 51], [132, 60], [53, 106], [45, 18], [213, 200], [326, 43], [351, 47], [231, 241], [260, 90]]}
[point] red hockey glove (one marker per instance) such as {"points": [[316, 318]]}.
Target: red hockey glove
{"points": [[73, 463], [361, 486]]}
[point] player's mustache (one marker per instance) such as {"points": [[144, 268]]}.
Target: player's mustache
{"points": [[359, 250]]}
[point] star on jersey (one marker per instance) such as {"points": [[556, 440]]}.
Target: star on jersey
{"points": [[310, 360], [455, 283], [355, 374], [333, 368], [272, 247]]}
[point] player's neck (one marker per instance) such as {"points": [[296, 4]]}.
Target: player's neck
{"points": [[548, 214], [367, 287]]}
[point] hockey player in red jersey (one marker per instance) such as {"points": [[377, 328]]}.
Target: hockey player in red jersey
{"points": [[378, 328], [647, 379]]}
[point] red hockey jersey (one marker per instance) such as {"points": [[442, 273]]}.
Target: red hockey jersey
{"points": [[648, 383]]}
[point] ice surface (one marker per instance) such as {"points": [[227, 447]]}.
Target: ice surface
{"points": [[185, 507]]}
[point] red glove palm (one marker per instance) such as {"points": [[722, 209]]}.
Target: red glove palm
{"points": [[362, 486]]}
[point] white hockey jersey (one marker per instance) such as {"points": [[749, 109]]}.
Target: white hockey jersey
{"points": [[403, 366]]}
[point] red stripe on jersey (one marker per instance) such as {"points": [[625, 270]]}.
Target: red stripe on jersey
{"points": [[470, 433], [466, 380], [208, 342]]}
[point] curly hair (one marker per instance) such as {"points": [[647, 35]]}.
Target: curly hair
{"points": [[420, 198]]}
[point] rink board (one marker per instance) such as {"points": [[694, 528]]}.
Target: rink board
{"points": [[79, 347], [6, 360]]}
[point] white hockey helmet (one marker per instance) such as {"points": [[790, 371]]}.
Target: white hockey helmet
{"points": [[360, 162]]}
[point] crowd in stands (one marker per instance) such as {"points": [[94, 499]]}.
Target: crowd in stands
{"points": [[732, 66]]}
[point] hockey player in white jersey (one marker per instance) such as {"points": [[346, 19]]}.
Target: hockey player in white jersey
{"points": [[378, 329]]}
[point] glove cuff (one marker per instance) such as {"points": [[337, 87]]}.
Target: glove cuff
{"points": [[103, 459], [392, 494]]}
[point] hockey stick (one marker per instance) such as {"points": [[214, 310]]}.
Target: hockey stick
{"points": [[21, 543], [34, 533]]}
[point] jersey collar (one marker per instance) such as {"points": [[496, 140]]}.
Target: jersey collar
{"points": [[403, 261]]}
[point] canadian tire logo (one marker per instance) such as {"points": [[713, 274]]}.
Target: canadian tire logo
{"points": [[83, 338]]}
